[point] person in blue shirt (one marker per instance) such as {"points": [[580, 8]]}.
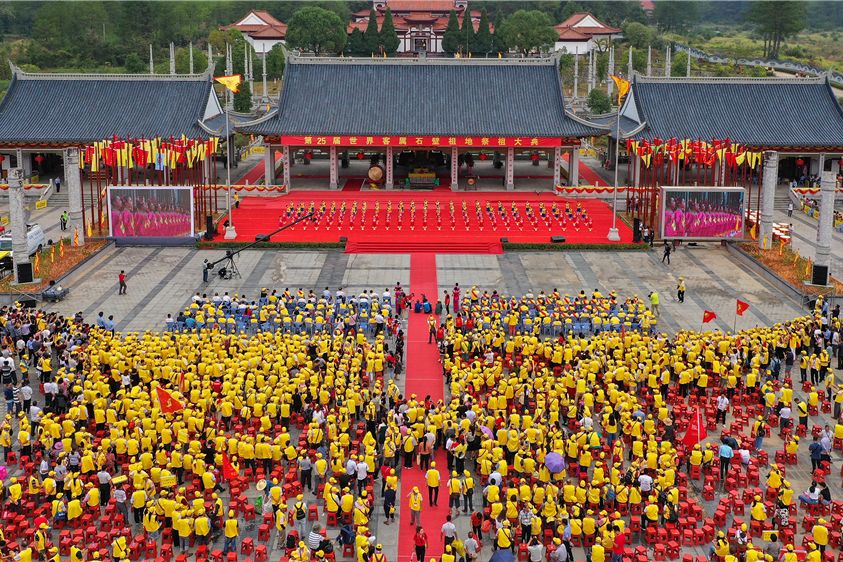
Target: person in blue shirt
{"points": [[726, 454]]}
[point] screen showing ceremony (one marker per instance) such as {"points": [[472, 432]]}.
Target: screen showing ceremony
{"points": [[702, 212], [150, 212]]}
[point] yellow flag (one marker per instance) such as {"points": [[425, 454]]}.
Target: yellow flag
{"points": [[37, 262], [623, 87], [53, 254], [61, 247], [753, 232], [90, 231], [232, 82], [76, 236], [808, 268]]}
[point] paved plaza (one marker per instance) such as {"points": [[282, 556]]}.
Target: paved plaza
{"points": [[163, 280]]}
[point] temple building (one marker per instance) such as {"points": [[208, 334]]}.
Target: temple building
{"points": [[581, 33], [50, 122], [385, 112], [261, 30], [420, 24]]}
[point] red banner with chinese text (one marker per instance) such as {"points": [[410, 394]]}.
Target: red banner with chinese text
{"points": [[426, 141]]}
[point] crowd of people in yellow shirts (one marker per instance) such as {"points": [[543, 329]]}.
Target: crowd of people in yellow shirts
{"points": [[161, 426]]}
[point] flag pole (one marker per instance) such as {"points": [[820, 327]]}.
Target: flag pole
{"points": [[614, 235], [230, 233]]}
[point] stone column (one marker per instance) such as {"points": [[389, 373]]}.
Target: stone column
{"points": [[610, 84], [510, 169], [649, 61], [576, 75], [557, 166], [285, 162], [768, 199], [334, 175], [390, 169], [825, 229], [574, 168], [17, 220], [455, 169], [269, 165], [73, 184]]}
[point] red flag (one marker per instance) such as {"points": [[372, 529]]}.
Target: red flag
{"points": [[708, 316], [741, 307], [228, 471], [696, 430], [168, 403]]}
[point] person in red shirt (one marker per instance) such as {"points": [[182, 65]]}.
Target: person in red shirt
{"points": [[447, 301], [618, 545], [121, 278], [420, 540]]}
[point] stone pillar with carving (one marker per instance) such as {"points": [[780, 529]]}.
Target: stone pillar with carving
{"points": [[73, 184], [557, 166], [286, 163], [825, 230], [574, 168], [455, 168], [17, 220], [390, 169], [768, 199], [510, 169], [332, 164], [268, 165]]}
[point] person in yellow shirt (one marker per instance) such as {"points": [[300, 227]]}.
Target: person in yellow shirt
{"points": [[415, 501], [433, 479], [231, 531]]}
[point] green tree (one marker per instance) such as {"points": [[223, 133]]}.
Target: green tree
{"points": [[467, 33], [388, 37], [243, 98], [598, 101], [316, 30], [484, 42], [527, 31], [775, 21], [639, 35], [451, 38], [134, 64], [371, 38], [200, 60], [356, 43], [275, 62], [679, 64], [675, 16]]}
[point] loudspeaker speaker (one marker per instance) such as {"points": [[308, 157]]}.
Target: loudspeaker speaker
{"points": [[557, 239], [504, 240], [25, 273], [262, 238], [29, 303], [636, 230], [819, 275], [209, 227]]}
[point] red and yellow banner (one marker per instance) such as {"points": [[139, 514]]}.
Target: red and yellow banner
{"points": [[594, 189], [658, 151], [811, 190], [408, 141], [157, 152]]}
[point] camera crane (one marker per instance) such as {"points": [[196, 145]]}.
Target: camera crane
{"points": [[229, 270]]}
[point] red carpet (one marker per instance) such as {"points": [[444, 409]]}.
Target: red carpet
{"points": [[424, 378], [353, 184], [381, 227], [589, 176], [257, 172]]}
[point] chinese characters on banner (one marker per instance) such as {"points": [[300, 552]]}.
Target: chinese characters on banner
{"points": [[422, 141]]}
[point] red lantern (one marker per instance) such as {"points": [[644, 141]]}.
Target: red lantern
{"points": [[360, 155], [483, 156], [39, 159], [308, 155], [534, 156], [2, 158], [800, 162], [839, 162]]}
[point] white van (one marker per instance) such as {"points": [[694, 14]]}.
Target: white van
{"points": [[35, 240]]}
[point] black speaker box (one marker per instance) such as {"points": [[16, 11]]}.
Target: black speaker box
{"points": [[819, 275], [557, 239], [209, 227], [25, 273]]}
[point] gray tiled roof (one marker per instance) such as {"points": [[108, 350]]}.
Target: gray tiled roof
{"points": [[760, 112], [423, 97], [85, 107]]}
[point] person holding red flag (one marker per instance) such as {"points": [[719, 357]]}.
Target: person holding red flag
{"points": [[169, 404]]}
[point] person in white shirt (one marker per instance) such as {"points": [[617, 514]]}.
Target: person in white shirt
{"points": [[722, 408], [645, 482], [362, 475]]}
